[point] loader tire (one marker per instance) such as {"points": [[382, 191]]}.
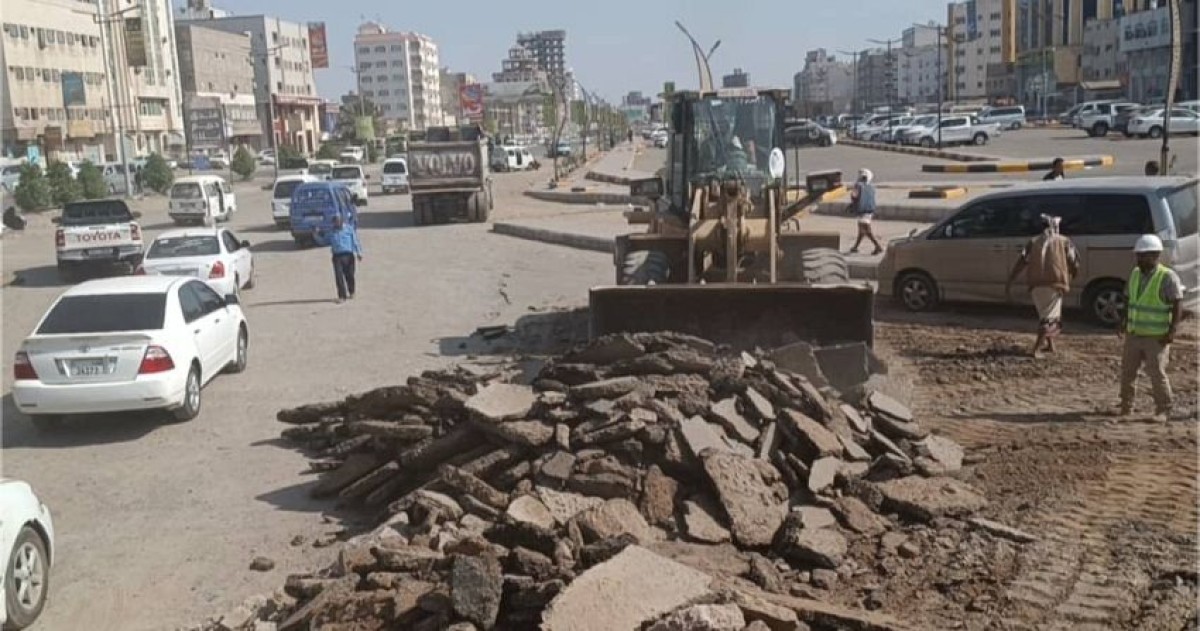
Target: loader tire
{"points": [[645, 267], [824, 266]]}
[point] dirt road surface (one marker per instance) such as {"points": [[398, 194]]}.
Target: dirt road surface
{"points": [[158, 522]]}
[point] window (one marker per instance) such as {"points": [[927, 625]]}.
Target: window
{"points": [[381, 78], [397, 48], [986, 219], [189, 304], [381, 64], [367, 80], [174, 247], [384, 93], [381, 49], [105, 313], [1117, 214], [1182, 202], [231, 243]]}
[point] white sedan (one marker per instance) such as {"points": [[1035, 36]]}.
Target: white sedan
{"points": [[1183, 121], [214, 255], [27, 549], [128, 343]]}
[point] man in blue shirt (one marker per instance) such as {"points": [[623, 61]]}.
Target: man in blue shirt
{"points": [[343, 243]]}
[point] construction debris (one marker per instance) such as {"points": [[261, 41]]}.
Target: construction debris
{"points": [[510, 506]]}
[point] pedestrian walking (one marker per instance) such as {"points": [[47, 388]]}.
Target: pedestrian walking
{"points": [[862, 204], [1056, 171], [1153, 297], [1049, 261], [347, 252]]}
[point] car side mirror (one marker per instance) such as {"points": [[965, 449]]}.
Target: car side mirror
{"points": [[232, 299], [245, 244]]}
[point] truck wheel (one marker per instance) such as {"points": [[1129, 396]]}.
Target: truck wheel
{"points": [[418, 211], [645, 267], [980, 139], [479, 207]]}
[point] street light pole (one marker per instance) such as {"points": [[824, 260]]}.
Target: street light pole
{"points": [[702, 66], [854, 90], [265, 56], [888, 75], [941, 78]]}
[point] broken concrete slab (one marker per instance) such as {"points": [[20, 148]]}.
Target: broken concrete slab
{"points": [[698, 434], [764, 574], [1001, 530], [857, 421], [845, 366], [858, 517], [614, 518], [700, 522], [464, 482], [823, 547], [659, 495], [607, 350], [647, 586], [887, 406], [945, 452], [525, 433], [889, 446], [502, 401], [702, 618], [531, 510], [564, 506], [476, 585], [854, 451], [822, 473], [899, 430], [800, 359], [814, 517], [558, 467], [726, 413], [606, 388], [768, 441], [761, 406], [752, 493], [924, 499], [810, 434]]}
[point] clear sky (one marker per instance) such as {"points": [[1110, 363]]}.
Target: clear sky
{"points": [[614, 46]]}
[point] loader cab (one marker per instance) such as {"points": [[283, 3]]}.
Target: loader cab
{"points": [[729, 135]]}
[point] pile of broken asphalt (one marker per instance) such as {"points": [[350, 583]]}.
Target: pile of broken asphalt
{"points": [[509, 506]]}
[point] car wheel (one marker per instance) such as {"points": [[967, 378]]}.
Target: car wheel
{"points": [[1156, 132], [190, 408], [1106, 302], [243, 349], [825, 141], [1128, 134], [979, 139], [917, 291], [26, 579], [1101, 129], [1015, 126], [927, 143], [46, 422]]}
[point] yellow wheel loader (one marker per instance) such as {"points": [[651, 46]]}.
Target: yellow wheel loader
{"points": [[718, 260]]}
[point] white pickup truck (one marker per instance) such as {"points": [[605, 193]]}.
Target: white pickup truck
{"points": [[955, 130], [99, 233]]}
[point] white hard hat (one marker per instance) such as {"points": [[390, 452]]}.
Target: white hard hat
{"points": [[1148, 243]]}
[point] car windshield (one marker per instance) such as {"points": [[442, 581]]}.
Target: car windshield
{"points": [[106, 313], [397, 167], [1183, 205], [318, 195], [733, 137], [175, 247], [346, 173], [186, 190], [97, 212], [284, 189], [925, 121]]}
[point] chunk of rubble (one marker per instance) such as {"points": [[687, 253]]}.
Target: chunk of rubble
{"points": [[563, 505], [614, 518], [726, 413], [822, 473], [889, 407], [899, 430], [1000, 530], [820, 441], [475, 589], [702, 618], [858, 517], [502, 401], [761, 406], [645, 584], [857, 421], [751, 492], [701, 524], [822, 547], [925, 499], [945, 454], [531, 510], [658, 497], [813, 517], [605, 388]]}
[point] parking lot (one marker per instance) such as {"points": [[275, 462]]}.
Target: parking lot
{"points": [[158, 521]]}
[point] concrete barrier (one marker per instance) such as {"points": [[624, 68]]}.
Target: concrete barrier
{"points": [[567, 197], [1018, 166], [919, 151], [555, 237], [608, 178]]}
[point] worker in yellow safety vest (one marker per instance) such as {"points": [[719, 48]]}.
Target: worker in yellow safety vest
{"points": [[1153, 312]]}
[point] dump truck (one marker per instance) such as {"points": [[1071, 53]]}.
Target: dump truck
{"points": [[448, 175], [723, 256]]}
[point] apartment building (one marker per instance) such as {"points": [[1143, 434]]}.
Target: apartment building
{"points": [[451, 84], [920, 67], [70, 82], [217, 78], [979, 34], [825, 85], [285, 92], [548, 49], [399, 72]]}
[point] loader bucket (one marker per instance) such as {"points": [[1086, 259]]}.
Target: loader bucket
{"points": [[741, 315]]}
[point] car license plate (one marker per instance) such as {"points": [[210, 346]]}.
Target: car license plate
{"points": [[91, 367], [98, 253]]}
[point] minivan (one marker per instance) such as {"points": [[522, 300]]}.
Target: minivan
{"points": [[1008, 117], [281, 196], [512, 158], [968, 256], [314, 205], [395, 176], [201, 199]]}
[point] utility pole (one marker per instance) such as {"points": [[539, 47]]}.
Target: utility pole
{"points": [[854, 90], [265, 56], [1172, 78], [942, 79], [889, 74]]}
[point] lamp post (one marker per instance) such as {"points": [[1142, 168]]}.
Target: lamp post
{"points": [[888, 75], [702, 58], [854, 90], [264, 56], [941, 77]]}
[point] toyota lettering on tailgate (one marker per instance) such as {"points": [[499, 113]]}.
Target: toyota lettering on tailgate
{"points": [[91, 237], [445, 164]]}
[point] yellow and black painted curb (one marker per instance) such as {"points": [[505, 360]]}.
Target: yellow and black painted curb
{"points": [[937, 192], [917, 151], [1019, 166]]}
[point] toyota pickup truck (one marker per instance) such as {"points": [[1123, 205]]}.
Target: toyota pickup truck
{"points": [[97, 234], [956, 130]]}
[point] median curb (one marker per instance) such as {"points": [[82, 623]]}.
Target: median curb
{"points": [[919, 151], [893, 212], [566, 197], [1010, 166], [597, 176]]}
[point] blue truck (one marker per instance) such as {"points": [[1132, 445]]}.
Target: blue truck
{"points": [[314, 205]]}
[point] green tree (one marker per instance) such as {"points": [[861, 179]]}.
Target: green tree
{"points": [[243, 163], [157, 175], [91, 181], [33, 190], [328, 151], [289, 157], [63, 187]]}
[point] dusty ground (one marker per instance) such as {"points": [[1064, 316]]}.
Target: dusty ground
{"points": [[1113, 502]]}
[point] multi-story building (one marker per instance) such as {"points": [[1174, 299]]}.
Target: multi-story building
{"points": [[920, 64], [452, 83], [399, 72], [71, 81], [1102, 64], [1145, 42], [548, 48], [1189, 89], [825, 86], [217, 77], [285, 92], [979, 34], [738, 79], [876, 78]]}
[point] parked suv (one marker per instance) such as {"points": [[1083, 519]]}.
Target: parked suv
{"points": [[968, 256], [1012, 117], [1099, 118]]}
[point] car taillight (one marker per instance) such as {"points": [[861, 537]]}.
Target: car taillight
{"points": [[60, 238], [135, 232], [22, 367], [157, 359], [217, 271]]}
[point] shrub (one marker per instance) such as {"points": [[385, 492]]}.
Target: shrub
{"points": [[63, 188], [243, 163], [91, 181], [157, 174], [288, 157], [33, 190], [328, 151]]}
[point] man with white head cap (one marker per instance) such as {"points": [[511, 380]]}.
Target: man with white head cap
{"points": [[1151, 317], [1049, 261], [862, 203]]}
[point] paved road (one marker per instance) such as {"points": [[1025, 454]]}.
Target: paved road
{"points": [[158, 522], [1130, 154]]}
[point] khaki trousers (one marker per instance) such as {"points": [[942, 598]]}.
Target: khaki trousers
{"points": [[1154, 354]]}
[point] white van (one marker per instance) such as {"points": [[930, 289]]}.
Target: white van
{"points": [[395, 176], [201, 199], [513, 158], [281, 196]]}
